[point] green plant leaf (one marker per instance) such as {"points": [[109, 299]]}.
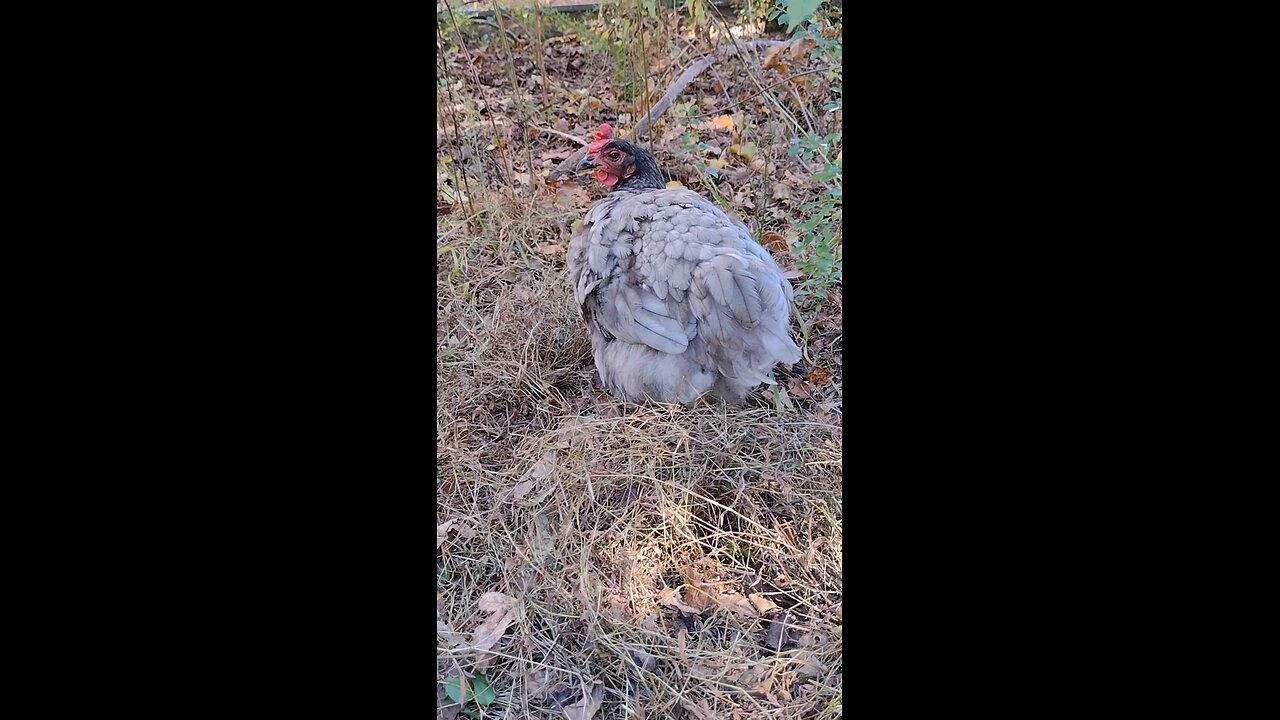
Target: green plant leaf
{"points": [[481, 692], [827, 173], [800, 10], [453, 688]]}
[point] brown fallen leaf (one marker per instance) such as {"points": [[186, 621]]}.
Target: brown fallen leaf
{"points": [[538, 682], [682, 636], [773, 58], [671, 599], [810, 665], [550, 248], [445, 634], [442, 532], [589, 705], [540, 469], [490, 631], [779, 634], [773, 241], [818, 376], [571, 197], [761, 603], [801, 47], [700, 594], [644, 660], [699, 711], [538, 497], [736, 603]]}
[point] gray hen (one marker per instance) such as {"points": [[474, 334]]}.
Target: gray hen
{"points": [[678, 299]]}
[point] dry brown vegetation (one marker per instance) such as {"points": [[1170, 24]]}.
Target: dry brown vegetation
{"points": [[601, 561]]}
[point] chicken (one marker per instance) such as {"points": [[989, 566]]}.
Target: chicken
{"points": [[679, 301]]}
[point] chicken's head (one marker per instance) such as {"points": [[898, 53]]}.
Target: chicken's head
{"points": [[618, 163]]}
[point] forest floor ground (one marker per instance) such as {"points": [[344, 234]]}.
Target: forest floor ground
{"points": [[595, 560]]}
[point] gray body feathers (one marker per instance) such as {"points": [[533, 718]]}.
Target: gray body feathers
{"points": [[678, 299]]}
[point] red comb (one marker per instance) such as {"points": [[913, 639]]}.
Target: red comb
{"points": [[601, 138]]}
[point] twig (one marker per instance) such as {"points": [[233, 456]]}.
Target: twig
{"points": [[510, 34], [450, 231], [808, 116], [567, 168], [574, 138]]}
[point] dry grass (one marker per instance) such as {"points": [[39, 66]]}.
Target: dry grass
{"points": [[665, 562]]}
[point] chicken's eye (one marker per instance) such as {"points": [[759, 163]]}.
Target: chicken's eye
{"points": [[613, 154]]}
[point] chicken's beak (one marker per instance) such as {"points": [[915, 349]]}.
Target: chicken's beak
{"points": [[586, 162]]}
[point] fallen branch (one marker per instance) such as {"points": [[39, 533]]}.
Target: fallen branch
{"points": [[570, 165], [574, 138]]}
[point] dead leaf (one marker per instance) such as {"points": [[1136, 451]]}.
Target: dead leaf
{"points": [[446, 634], [540, 495], [442, 532], [700, 594], [643, 659], [668, 597], [572, 197], [736, 603], [495, 601], [818, 376], [764, 686], [540, 469], [772, 58], [810, 665], [674, 184], [761, 603], [550, 248], [491, 630], [781, 191], [773, 241], [722, 122], [699, 711], [588, 706], [538, 682], [778, 634], [682, 636], [797, 387], [800, 47], [757, 677]]}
